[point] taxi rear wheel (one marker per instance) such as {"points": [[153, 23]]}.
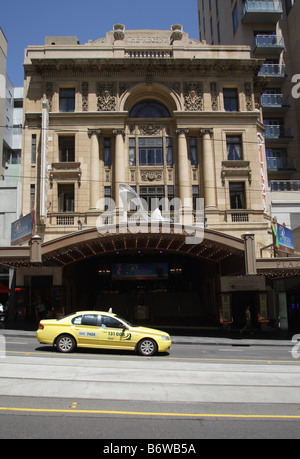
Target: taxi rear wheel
{"points": [[147, 347], [65, 343]]}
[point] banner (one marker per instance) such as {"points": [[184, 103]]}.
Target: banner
{"points": [[44, 161], [21, 230]]}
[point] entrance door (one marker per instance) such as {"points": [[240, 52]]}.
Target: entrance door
{"points": [[240, 301]]}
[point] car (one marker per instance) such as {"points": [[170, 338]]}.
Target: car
{"points": [[103, 330]]}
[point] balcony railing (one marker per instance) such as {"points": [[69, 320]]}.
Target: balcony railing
{"points": [[281, 164], [268, 44], [284, 185], [277, 101], [278, 132], [262, 12], [273, 70]]}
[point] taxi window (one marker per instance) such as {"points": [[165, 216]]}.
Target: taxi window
{"points": [[90, 319], [111, 322], [77, 320], [87, 319]]}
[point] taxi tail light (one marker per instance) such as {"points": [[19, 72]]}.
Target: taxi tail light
{"points": [[41, 326]]}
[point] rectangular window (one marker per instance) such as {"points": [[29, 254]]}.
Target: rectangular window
{"points": [[193, 151], [66, 147], [234, 148], [237, 195], [65, 197], [151, 151], [195, 189], [230, 99], [107, 151], [33, 149], [67, 100], [132, 152], [169, 147], [32, 197], [153, 194], [107, 198]]}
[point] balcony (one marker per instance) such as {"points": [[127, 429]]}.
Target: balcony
{"points": [[275, 102], [276, 72], [268, 44], [284, 185], [65, 171], [257, 12], [278, 134], [276, 164]]}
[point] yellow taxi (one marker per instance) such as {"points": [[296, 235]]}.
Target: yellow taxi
{"points": [[98, 329]]}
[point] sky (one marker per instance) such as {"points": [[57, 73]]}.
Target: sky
{"points": [[27, 22]]}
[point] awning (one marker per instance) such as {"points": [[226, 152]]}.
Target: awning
{"points": [[3, 288]]}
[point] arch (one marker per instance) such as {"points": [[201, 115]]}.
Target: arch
{"points": [[149, 109], [156, 92], [69, 249]]}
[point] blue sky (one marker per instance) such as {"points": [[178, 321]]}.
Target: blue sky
{"points": [[28, 22]]}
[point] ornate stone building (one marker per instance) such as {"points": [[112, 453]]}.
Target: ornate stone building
{"points": [[172, 118]]}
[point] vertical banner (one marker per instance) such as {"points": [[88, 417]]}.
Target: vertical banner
{"points": [[44, 161], [263, 175]]}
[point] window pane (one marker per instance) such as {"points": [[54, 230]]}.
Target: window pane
{"points": [[237, 195], [234, 148], [110, 322], [149, 109], [169, 152], [230, 100], [67, 100]]}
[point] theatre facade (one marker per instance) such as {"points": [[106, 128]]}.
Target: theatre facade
{"points": [[143, 167]]}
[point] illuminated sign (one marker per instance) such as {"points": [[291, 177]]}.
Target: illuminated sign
{"points": [[145, 271]]}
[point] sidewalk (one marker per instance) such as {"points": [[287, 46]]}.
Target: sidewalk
{"points": [[189, 336]]}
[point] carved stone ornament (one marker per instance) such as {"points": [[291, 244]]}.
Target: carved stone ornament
{"points": [[193, 96], [151, 176], [49, 94], [176, 32], [85, 96], [150, 129], [119, 32], [106, 97]]}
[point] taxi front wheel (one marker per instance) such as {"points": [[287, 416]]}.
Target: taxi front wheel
{"points": [[65, 343], [147, 347]]}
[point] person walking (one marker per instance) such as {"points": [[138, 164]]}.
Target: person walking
{"points": [[248, 324]]}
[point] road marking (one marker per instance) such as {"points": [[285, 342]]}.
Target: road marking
{"points": [[110, 356], [145, 413]]}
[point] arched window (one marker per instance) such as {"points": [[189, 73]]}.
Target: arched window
{"points": [[149, 109]]}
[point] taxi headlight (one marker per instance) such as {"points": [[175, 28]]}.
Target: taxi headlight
{"points": [[165, 337]]}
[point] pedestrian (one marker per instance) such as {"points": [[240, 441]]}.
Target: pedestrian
{"points": [[40, 309], [248, 324]]}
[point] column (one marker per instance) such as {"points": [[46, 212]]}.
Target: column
{"points": [[209, 178], [184, 175], [250, 255], [94, 167], [119, 163], [184, 179]]}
